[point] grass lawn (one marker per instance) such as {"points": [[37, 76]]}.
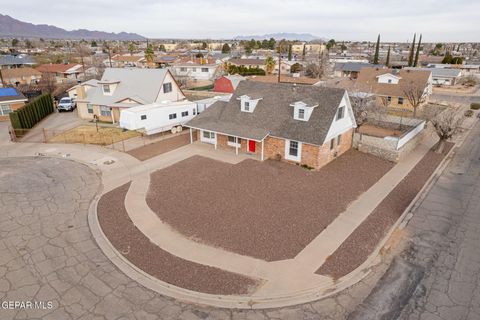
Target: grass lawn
{"points": [[88, 134]]}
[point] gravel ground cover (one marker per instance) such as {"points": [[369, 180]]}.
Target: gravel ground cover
{"points": [[154, 149], [361, 243], [138, 249], [269, 210]]}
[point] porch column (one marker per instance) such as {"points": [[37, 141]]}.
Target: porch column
{"points": [[216, 141], [236, 145], [111, 113], [191, 136], [262, 151]]}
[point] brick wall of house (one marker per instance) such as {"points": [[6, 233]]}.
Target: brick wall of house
{"points": [[13, 106], [222, 143]]}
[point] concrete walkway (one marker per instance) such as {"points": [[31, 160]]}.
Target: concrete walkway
{"points": [[287, 282]]}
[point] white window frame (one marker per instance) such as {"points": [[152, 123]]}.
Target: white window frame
{"points": [[89, 108], [296, 158], [184, 114], [105, 111], [167, 87], [4, 107], [212, 137], [341, 113], [172, 116], [236, 143], [301, 114], [204, 69], [108, 88]]}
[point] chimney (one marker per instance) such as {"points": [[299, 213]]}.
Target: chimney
{"points": [[81, 92]]}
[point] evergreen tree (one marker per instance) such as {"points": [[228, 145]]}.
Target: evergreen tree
{"points": [[412, 50], [447, 58], [388, 57], [290, 52], [415, 63], [226, 48], [162, 48], [377, 50], [304, 51]]}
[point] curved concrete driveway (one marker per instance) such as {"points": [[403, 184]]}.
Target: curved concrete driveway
{"points": [[47, 253]]}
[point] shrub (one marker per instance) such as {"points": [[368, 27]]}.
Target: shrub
{"points": [[306, 166], [30, 114], [475, 105], [469, 113]]}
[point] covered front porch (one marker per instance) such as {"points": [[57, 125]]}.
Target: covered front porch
{"points": [[253, 146]]}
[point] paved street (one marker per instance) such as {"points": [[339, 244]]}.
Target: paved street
{"points": [[456, 98], [446, 242]]}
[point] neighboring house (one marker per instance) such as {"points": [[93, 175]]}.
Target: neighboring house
{"points": [[10, 100], [307, 125], [18, 76], [442, 76], [61, 72], [10, 61], [248, 63], [227, 84], [391, 85], [122, 88], [285, 66], [309, 48], [285, 79], [351, 69], [87, 86], [195, 69], [123, 61]]}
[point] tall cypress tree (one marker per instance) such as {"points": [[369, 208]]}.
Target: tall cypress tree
{"points": [[377, 49], [290, 52], [418, 51], [388, 57], [412, 50]]}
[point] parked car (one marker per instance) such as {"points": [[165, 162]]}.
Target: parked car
{"points": [[66, 104]]}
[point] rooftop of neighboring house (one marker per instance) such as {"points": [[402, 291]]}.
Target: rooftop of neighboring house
{"points": [[11, 94], [235, 79], [354, 66], [440, 72], [59, 68], [139, 85], [273, 113], [89, 83], [128, 58], [371, 80], [284, 79], [19, 59], [240, 62], [20, 72], [193, 61]]}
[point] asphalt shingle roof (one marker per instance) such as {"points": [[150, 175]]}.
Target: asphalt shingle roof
{"points": [[273, 114]]}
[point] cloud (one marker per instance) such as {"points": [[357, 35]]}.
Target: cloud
{"points": [[438, 20]]}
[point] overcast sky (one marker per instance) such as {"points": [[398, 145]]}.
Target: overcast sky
{"points": [[438, 20]]}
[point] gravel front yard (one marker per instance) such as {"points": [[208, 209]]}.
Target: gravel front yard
{"points": [[138, 249], [159, 147], [361, 243], [268, 210]]}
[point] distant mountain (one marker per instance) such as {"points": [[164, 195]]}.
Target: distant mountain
{"points": [[280, 36], [10, 27]]}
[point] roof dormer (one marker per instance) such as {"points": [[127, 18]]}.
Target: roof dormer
{"points": [[248, 103], [302, 110], [388, 78], [108, 86]]}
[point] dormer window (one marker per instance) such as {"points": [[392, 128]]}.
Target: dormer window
{"points": [[106, 88], [340, 113], [302, 110], [247, 103]]}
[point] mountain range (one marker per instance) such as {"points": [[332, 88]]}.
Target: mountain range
{"points": [[280, 36], [10, 27]]}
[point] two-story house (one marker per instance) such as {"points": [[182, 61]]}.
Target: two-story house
{"points": [[392, 87], [195, 69], [122, 88], [307, 125]]}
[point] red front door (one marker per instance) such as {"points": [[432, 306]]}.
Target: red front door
{"points": [[251, 145]]}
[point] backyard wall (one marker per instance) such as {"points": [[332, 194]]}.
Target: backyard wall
{"points": [[392, 148]]}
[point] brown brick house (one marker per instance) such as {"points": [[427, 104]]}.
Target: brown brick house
{"points": [[307, 125], [10, 100]]}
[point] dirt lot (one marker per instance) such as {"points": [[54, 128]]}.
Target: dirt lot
{"points": [[269, 210], [162, 146], [361, 243], [88, 134], [138, 249], [377, 131]]}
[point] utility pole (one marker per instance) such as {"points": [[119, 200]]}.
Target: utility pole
{"points": [[279, 60]]}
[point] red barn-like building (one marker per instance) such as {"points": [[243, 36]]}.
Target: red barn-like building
{"points": [[227, 84]]}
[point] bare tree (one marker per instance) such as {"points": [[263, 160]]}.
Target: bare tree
{"points": [[183, 45], [415, 94], [446, 124], [83, 51], [365, 105], [317, 67]]}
